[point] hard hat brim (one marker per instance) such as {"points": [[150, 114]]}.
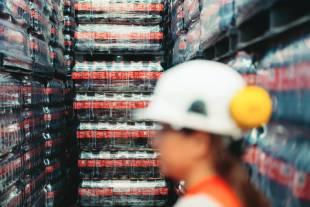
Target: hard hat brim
{"points": [[157, 112], [165, 114]]}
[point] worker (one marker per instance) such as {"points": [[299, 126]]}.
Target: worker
{"points": [[204, 108]]}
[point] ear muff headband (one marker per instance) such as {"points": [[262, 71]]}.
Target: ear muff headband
{"points": [[251, 107]]}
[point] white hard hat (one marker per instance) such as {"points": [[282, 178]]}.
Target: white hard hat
{"points": [[200, 95]]}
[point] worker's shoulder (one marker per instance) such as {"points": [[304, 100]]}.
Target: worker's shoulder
{"points": [[199, 200], [216, 190]]}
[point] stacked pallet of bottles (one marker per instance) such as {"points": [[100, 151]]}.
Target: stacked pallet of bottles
{"points": [[34, 99], [31, 54], [22, 175], [71, 153], [116, 164], [22, 145], [196, 25], [69, 26], [58, 138], [55, 138], [277, 154]]}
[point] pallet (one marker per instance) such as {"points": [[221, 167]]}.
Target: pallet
{"points": [[269, 24], [277, 21], [224, 45], [103, 90], [119, 55]]}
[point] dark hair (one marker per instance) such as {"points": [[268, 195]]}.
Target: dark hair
{"points": [[227, 161]]}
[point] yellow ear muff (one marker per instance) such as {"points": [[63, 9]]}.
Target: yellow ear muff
{"points": [[251, 107]]}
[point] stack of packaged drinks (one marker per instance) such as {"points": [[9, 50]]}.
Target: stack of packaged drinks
{"points": [[124, 25], [278, 153], [11, 168], [14, 49], [32, 43], [34, 97], [54, 113], [68, 30], [279, 164], [113, 146], [109, 106], [118, 135], [116, 76], [196, 24], [116, 164], [244, 64], [55, 140], [32, 39], [31, 139]]}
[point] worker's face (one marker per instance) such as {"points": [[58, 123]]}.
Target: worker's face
{"points": [[179, 151]]}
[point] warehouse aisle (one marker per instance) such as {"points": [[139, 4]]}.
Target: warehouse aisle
{"points": [[72, 72]]}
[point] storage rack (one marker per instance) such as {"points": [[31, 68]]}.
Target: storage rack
{"points": [[268, 22], [268, 44]]}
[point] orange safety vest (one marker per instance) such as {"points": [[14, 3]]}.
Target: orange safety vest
{"points": [[217, 189]]}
